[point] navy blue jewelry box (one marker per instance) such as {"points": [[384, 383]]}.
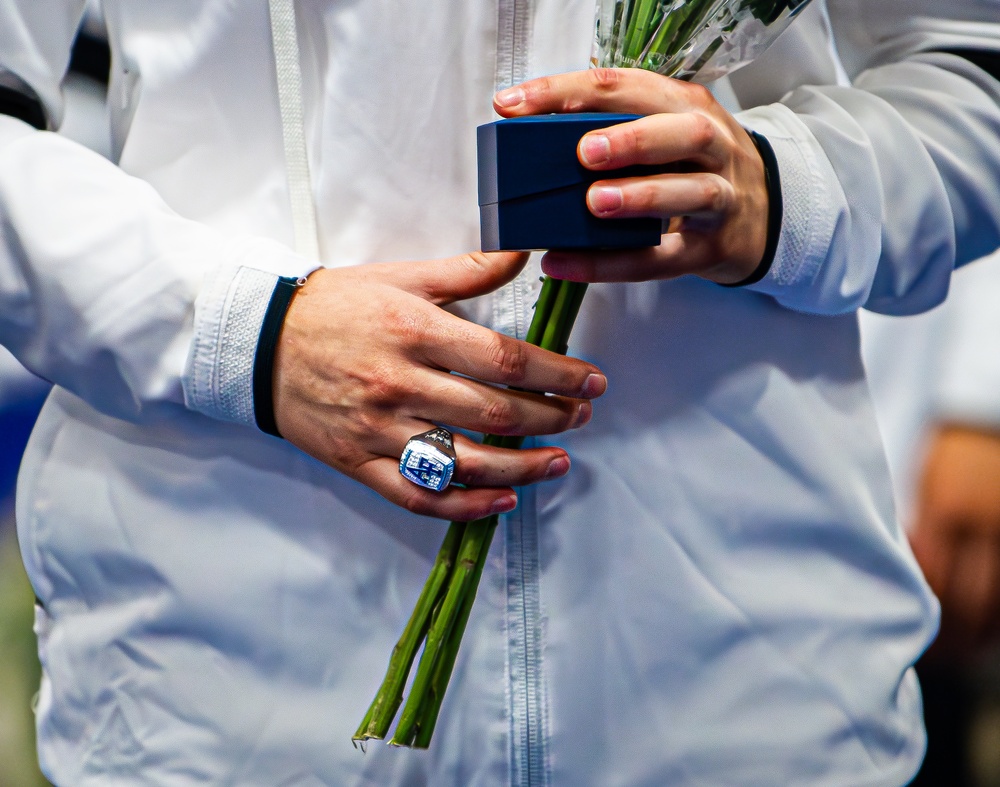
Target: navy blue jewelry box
{"points": [[533, 189]]}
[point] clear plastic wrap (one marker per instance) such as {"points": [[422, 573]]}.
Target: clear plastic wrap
{"points": [[698, 40]]}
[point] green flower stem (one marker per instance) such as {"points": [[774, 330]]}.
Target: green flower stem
{"points": [[553, 328], [566, 317], [663, 40], [431, 702], [383, 708], [543, 310], [637, 34], [437, 636], [692, 22]]}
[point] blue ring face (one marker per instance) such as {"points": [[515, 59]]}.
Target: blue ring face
{"points": [[426, 465]]}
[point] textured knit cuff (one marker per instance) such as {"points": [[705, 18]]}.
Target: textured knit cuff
{"points": [[222, 380], [229, 316], [810, 207]]}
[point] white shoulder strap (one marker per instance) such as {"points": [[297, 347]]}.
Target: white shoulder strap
{"points": [[284, 39]]}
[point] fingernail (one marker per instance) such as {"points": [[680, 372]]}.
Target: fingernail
{"points": [[504, 504], [604, 199], [583, 415], [510, 97], [557, 468], [595, 149], [594, 386]]}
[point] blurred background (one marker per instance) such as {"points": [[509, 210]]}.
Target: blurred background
{"points": [[936, 383]]}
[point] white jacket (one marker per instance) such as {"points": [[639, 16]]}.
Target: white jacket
{"points": [[717, 594]]}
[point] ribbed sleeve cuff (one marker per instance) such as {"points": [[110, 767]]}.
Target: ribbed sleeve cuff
{"points": [[811, 198], [229, 314]]}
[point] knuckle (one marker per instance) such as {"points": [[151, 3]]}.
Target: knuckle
{"points": [[542, 85], [369, 422], [509, 358], [419, 501], [716, 193], [499, 416], [630, 140], [385, 386], [475, 262], [604, 79], [699, 95], [539, 90], [643, 196], [408, 326], [703, 130], [473, 470]]}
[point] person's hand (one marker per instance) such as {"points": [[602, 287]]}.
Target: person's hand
{"points": [[365, 361], [956, 535], [716, 205]]}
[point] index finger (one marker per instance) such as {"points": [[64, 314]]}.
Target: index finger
{"points": [[601, 90], [464, 347]]}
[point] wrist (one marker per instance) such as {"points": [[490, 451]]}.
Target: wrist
{"points": [[775, 210]]}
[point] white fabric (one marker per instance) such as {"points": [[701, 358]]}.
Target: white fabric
{"points": [[250, 295], [902, 128], [289, 75], [939, 367], [718, 593]]}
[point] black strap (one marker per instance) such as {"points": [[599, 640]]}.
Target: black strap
{"points": [[263, 362], [92, 57], [26, 108], [775, 210], [986, 59]]}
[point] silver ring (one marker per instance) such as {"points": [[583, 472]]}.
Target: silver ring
{"points": [[428, 460]]}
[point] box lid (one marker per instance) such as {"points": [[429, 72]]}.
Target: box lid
{"points": [[526, 155]]}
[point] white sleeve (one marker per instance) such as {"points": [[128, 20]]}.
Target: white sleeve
{"points": [[889, 183], [34, 64], [105, 290]]}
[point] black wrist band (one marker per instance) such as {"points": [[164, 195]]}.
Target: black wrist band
{"points": [[263, 362], [22, 107], [775, 209]]}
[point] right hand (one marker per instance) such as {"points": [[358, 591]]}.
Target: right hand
{"points": [[366, 360]]}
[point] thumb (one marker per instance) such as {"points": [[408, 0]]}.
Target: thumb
{"points": [[452, 279]]}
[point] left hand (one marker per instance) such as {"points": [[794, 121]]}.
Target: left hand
{"points": [[717, 207]]}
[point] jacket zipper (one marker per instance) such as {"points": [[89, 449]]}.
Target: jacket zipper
{"points": [[528, 733]]}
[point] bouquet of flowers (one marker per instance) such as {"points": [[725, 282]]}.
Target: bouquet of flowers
{"points": [[684, 39], [688, 39]]}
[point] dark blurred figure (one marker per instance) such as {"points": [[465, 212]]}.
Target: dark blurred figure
{"points": [[936, 383]]}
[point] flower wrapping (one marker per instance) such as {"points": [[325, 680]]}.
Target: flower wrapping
{"points": [[698, 40]]}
